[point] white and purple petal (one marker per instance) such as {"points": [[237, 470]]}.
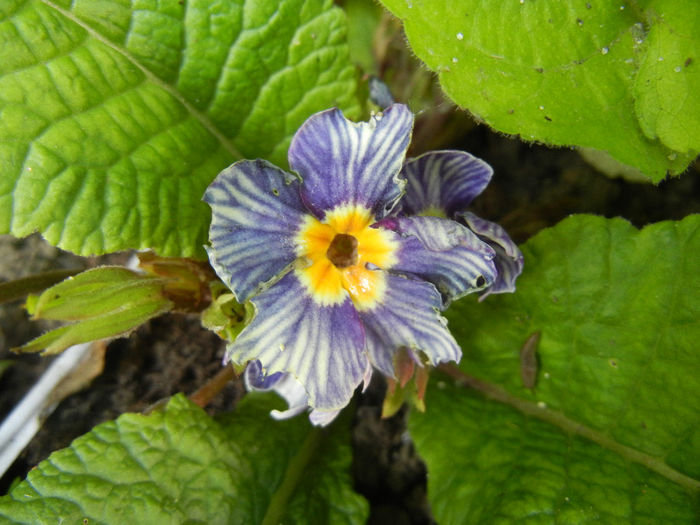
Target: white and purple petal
{"points": [[289, 389], [509, 258], [445, 181], [321, 418], [321, 346], [408, 316], [343, 162], [256, 212], [443, 252], [284, 385], [255, 379]]}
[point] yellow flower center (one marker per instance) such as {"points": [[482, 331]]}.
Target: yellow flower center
{"points": [[337, 252]]}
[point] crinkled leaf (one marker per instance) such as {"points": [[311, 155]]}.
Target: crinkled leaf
{"points": [[571, 72], [181, 466], [487, 463], [617, 391], [114, 116]]}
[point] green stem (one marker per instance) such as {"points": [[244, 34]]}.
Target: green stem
{"points": [[13, 290], [295, 470], [558, 419]]}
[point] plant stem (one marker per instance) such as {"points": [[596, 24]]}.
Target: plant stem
{"points": [[204, 395], [570, 426], [292, 477], [13, 290]]}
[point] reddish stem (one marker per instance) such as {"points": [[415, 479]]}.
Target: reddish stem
{"points": [[204, 395]]}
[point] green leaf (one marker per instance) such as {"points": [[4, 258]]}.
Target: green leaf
{"points": [[571, 73], [114, 119], [667, 101], [363, 18], [611, 429], [487, 463], [181, 466], [5, 365]]}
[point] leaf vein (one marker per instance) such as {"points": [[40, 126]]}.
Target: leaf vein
{"points": [[570, 426], [201, 117]]}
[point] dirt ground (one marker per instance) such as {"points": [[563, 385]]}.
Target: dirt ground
{"points": [[533, 187]]}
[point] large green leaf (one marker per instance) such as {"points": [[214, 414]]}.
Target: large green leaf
{"points": [[666, 87], [181, 466], [611, 430], [487, 463], [608, 75], [115, 115]]}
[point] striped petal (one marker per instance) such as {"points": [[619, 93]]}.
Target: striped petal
{"points": [[256, 212], [321, 418], [408, 316], [342, 162], [509, 258], [443, 182], [284, 385], [443, 252], [289, 389], [321, 346]]}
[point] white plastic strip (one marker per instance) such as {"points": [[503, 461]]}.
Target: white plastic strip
{"points": [[26, 418]]}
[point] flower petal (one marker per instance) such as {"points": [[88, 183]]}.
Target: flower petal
{"points": [[342, 162], [255, 379], [443, 252], [509, 258], [256, 212], [321, 346], [445, 181], [289, 389], [321, 418], [284, 385], [407, 316]]}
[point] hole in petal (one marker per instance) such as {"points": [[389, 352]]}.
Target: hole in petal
{"points": [[342, 251]]}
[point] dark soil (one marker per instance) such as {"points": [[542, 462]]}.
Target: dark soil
{"points": [[533, 187]]}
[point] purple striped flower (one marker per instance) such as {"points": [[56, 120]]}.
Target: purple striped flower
{"points": [[444, 183], [341, 267]]}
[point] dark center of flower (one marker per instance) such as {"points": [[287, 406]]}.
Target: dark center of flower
{"points": [[343, 251]]}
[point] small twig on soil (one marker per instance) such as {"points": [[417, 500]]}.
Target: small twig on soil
{"points": [[204, 395]]}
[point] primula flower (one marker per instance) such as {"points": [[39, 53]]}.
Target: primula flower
{"points": [[444, 183], [341, 271]]}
